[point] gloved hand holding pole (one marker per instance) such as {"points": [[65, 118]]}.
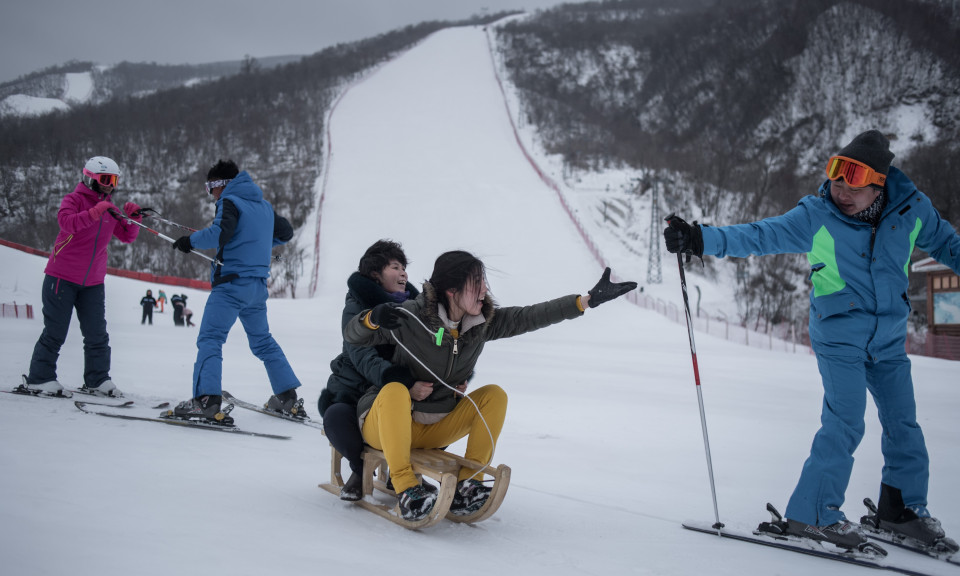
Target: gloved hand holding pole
{"points": [[118, 214]]}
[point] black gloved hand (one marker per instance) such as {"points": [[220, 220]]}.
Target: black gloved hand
{"points": [[682, 237], [183, 244], [397, 373], [386, 315], [605, 290]]}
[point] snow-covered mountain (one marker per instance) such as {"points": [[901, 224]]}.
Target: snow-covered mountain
{"points": [[61, 88], [603, 432]]}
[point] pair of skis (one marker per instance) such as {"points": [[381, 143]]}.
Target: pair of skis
{"points": [[869, 555], [67, 394], [99, 408]]}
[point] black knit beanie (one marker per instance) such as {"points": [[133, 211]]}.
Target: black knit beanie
{"points": [[872, 148]]}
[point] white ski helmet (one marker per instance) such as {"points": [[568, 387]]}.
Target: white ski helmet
{"points": [[99, 169]]}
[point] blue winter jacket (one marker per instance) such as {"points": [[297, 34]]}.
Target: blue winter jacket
{"points": [[858, 305], [244, 231]]}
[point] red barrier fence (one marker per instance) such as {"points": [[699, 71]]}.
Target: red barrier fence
{"points": [[144, 276], [14, 310]]}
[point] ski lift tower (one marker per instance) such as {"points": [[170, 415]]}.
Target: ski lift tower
{"points": [[654, 275]]}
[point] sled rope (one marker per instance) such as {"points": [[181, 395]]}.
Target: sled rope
{"points": [[493, 445]]}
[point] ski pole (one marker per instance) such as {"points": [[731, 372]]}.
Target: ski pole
{"points": [[118, 214], [151, 213], [696, 376]]}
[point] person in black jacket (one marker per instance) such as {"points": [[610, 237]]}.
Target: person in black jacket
{"points": [[380, 277], [149, 303], [178, 304]]}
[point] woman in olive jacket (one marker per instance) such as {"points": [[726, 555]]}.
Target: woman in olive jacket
{"points": [[441, 335]]}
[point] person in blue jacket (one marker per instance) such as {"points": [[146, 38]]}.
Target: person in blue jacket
{"points": [[244, 231], [858, 233]]}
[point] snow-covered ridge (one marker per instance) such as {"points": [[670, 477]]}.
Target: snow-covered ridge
{"points": [[87, 83]]}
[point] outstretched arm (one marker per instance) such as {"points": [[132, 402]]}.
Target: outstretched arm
{"points": [[605, 291]]}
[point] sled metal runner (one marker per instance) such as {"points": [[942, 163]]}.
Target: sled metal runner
{"points": [[435, 464]]}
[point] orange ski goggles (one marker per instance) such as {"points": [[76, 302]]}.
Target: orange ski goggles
{"points": [[855, 173]]}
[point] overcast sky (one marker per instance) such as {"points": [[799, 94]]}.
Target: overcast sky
{"points": [[35, 34]]}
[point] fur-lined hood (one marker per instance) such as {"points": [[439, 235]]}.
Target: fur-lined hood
{"points": [[369, 292]]}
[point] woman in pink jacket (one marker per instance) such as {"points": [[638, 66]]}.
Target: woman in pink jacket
{"points": [[74, 279]]}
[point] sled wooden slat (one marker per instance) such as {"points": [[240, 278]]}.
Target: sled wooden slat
{"points": [[438, 465]]}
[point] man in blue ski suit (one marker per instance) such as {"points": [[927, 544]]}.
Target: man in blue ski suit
{"points": [[244, 231], [858, 232]]}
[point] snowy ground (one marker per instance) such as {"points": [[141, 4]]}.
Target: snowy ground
{"points": [[603, 432]]}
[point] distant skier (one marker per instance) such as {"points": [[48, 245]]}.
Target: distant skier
{"points": [[244, 230], [178, 304], [148, 303], [381, 277], [858, 232], [162, 299], [74, 280], [446, 328]]}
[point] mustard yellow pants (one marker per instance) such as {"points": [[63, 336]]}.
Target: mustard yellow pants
{"points": [[389, 427]]}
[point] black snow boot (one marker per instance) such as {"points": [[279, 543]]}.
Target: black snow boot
{"points": [[844, 534], [206, 408], [470, 496], [914, 523], [287, 403], [416, 503], [352, 490]]}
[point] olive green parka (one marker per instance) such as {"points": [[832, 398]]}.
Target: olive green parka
{"points": [[454, 355]]}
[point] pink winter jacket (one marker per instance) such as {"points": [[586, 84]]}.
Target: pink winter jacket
{"points": [[80, 252]]}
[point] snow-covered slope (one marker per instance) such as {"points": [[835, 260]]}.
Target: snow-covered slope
{"points": [[602, 433]]}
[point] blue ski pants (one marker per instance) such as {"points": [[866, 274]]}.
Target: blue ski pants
{"points": [[246, 299], [823, 481], [59, 299]]}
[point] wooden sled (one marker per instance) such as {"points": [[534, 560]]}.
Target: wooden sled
{"points": [[435, 464]]}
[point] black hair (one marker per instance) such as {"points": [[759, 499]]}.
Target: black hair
{"points": [[379, 255], [454, 270], [223, 170]]}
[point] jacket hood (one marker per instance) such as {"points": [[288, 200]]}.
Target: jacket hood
{"points": [[243, 187], [370, 293]]}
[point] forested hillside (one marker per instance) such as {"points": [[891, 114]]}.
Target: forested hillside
{"points": [[271, 122], [733, 104], [737, 105]]}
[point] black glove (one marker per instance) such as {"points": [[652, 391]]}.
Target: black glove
{"points": [[386, 315], [183, 244], [397, 373], [682, 237], [605, 290]]}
